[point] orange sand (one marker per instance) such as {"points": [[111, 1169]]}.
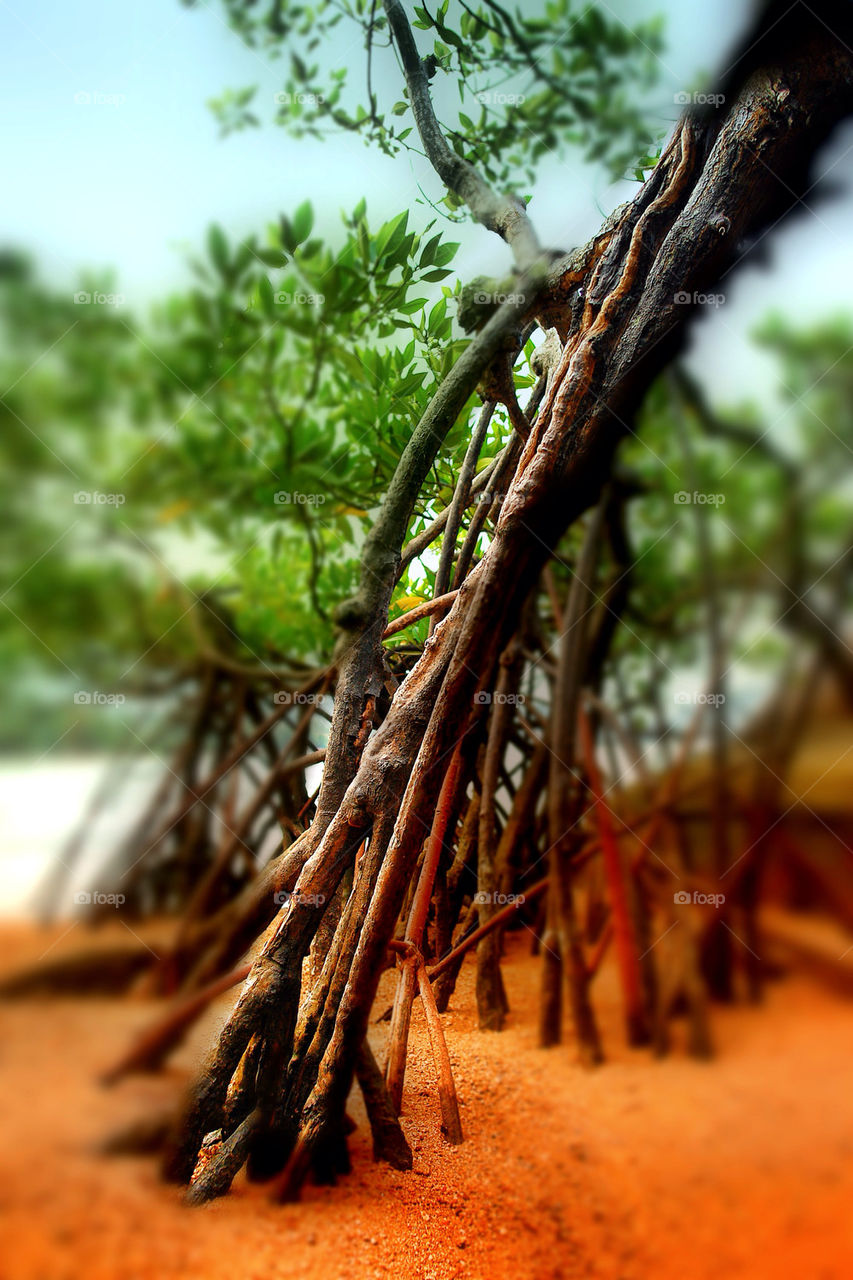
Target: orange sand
{"points": [[641, 1169]]}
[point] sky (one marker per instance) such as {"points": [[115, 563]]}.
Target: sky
{"points": [[127, 181], [132, 178]]}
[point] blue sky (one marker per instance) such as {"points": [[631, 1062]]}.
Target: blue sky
{"points": [[127, 183], [132, 182]]}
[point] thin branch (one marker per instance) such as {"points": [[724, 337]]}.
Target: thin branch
{"points": [[461, 497], [439, 604], [505, 215]]}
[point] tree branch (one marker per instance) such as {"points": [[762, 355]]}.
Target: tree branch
{"points": [[505, 215]]}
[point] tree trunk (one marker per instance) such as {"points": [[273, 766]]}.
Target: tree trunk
{"points": [[722, 177]]}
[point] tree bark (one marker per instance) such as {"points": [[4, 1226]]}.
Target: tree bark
{"points": [[720, 178]]}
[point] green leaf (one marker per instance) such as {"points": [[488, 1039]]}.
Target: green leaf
{"points": [[267, 296], [391, 234], [288, 238], [445, 253], [409, 308], [272, 257], [217, 247], [437, 314], [429, 250], [303, 221]]}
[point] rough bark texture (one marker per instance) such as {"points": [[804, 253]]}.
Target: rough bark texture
{"points": [[721, 178]]}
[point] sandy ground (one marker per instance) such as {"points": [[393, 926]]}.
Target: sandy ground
{"points": [[643, 1168]]}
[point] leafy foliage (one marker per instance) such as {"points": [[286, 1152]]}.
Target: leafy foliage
{"points": [[232, 447], [513, 88]]}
